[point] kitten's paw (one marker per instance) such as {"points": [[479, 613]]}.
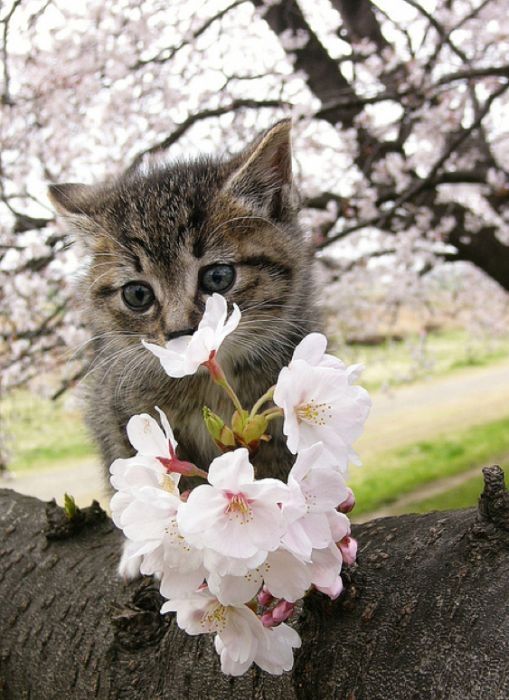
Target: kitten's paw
{"points": [[129, 566]]}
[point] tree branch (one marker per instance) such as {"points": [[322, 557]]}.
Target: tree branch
{"points": [[166, 54], [323, 76], [192, 119], [6, 97], [395, 633]]}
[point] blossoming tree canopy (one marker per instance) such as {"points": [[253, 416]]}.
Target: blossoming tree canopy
{"points": [[235, 554], [399, 116]]}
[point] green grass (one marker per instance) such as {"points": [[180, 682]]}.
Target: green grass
{"points": [[390, 475], [393, 363], [41, 433], [44, 434], [467, 494]]}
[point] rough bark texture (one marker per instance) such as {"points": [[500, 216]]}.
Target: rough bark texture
{"points": [[425, 615]]}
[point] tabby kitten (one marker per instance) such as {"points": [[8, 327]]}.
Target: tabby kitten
{"points": [[160, 241]]}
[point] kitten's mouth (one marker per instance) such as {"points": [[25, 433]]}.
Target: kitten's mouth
{"points": [[178, 334]]}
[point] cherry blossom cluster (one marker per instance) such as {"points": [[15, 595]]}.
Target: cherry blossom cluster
{"points": [[234, 554]]}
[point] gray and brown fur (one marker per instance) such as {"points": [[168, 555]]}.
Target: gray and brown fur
{"points": [[163, 225]]}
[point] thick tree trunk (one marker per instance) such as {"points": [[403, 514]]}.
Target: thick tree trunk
{"points": [[425, 615]]}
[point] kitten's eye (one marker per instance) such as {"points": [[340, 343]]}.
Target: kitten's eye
{"points": [[217, 278], [138, 296]]}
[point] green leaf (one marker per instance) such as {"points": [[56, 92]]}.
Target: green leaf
{"points": [[70, 506]]}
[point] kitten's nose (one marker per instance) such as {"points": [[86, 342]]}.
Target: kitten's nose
{"points": [[177, 334]]}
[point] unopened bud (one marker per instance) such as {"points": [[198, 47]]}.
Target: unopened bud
{"points": [[221, 434], [267, 619], [265, 597], [348, 548], [349, 503], [282, 611], [213, 422], [279, 613]]}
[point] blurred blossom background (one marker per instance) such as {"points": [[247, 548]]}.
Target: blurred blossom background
{"points": [[401, 156]]}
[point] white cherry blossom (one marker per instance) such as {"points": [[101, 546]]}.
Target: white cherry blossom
{"points": [[284, 575], [146, 436], [320, 403], [234, 515], [274, 653], [144, 515], [176, 563], [237, 627], [325, 566], [333, 591], [231, 566], [147, 496], [316, 489], [130, 561], [184, 355], [146, 468]]}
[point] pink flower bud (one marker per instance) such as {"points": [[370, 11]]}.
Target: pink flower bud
{"points": [[178, 466], [349, 502], [265, 597], [267, 619], [282, 611], [348, 548], [333, 591]]}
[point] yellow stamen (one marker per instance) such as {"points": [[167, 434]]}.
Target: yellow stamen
{"points": [[214, 618], [168, 484], [312, 412], [238, 507]]}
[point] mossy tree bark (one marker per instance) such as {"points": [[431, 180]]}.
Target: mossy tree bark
{"points": [[425, 615]]}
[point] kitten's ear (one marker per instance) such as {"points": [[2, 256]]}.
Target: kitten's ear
{"points": [[80, 205], [263, 175], [72, 198]]}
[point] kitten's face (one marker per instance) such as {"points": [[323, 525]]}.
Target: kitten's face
{"points": [[162, 242], [154, 271]]}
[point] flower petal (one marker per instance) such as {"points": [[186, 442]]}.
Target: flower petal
{"points": [[231, 470], [285, 576], [235, 590], [311, 348], [146, 436], [275, 653]]}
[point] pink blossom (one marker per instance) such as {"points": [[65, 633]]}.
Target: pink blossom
{"points": [[320, 402], [234, 515]]}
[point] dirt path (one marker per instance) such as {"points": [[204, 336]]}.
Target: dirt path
{"points": [[421, 411], [83, 480], [408, 414]]}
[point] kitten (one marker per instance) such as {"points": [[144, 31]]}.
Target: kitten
{"points": [[160, 242]]}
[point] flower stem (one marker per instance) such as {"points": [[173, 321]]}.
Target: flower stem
{"points": [[219, 378], [263, 399], [272, 413], [229, 390]]}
